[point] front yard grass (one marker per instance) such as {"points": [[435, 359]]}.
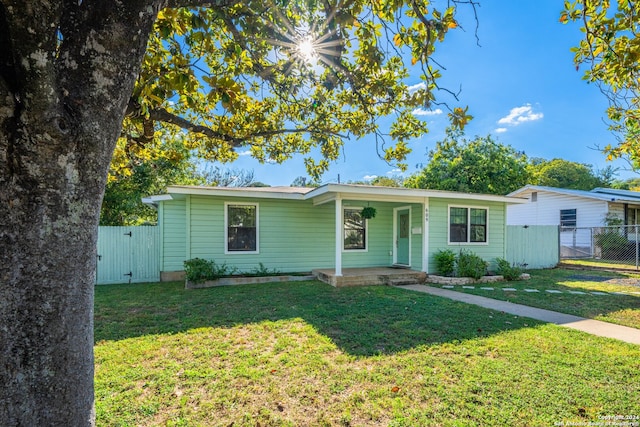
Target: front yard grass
{"points": [[599, 263], [303, 354], [614, 308]]}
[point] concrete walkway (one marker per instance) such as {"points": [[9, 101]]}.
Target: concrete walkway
{"points": [[595, 327]]}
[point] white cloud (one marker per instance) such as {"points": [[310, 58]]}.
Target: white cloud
{"points": [[519, 115], [500, 130], [369, 177], [394, 172], [423, 112], [416, 87], [244, 153]]}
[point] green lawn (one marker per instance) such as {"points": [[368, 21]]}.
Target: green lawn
{"points": [[307, 354], [619, 309], [629, 265]]}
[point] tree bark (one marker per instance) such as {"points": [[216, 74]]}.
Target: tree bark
{"points": [[67, 70]]}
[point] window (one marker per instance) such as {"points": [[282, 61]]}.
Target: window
{"points": [[633, 216], [242, 228], [355, 230], [534, 196], [568, 218], [467, 225]]}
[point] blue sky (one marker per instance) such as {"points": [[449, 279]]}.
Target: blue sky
{"points": [[520, 84]]}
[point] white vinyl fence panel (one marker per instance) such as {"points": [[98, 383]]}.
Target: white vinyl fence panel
{"points": [[128, 255]]}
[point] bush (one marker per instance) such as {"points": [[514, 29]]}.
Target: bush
{"points": [[199, 270], [445, 262], [612, 243], [262, 271], [470, 265], [507, 270]]}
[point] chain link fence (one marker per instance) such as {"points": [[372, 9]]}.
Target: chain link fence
{"points": [[613, 244]]}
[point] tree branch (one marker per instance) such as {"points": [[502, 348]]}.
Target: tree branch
{"points": [[162, 115]]}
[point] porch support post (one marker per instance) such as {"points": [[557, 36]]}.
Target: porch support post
{"points": [[338, 235], [425, 235]]}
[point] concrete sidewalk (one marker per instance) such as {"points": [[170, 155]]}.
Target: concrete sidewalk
{"points": [[595, 327]]}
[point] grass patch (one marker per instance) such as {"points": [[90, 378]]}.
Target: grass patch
{"points": [[598, 263], [292, 354], [619, 309]]}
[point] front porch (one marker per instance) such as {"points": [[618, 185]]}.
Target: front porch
{"points": [[370, 276]]}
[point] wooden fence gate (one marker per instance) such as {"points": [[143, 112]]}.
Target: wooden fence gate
{"points": [[128, 255], [533, 245]]}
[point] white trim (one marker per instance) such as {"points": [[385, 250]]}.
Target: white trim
{"points": [[338, 230], [468, 207], [187, 224], [366, 231], [292, 193], [395, 234], [425, 235], [226, 228], [329, 192]]}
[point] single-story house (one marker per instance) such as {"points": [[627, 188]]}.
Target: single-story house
{"points": [[573, 208], [294, 229], [576, 212]]}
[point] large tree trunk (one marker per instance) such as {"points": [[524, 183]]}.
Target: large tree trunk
{"points": [[67, 70]]}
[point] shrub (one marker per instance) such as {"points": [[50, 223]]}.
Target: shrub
{"points": [[198, 270], [612, 242], [470, 265], [445, 262], [262, 271], [507, 270]]}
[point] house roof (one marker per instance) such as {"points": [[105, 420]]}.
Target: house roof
{"points": [[327, 193], [603, 194]]}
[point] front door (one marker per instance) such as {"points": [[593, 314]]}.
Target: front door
{"points": [[403, 237]]}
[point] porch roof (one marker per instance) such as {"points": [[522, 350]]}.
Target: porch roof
{"points": [[329, 192]]}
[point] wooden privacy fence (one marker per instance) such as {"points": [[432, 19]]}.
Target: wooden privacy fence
{"points": [[534, 245], [128, 255]]}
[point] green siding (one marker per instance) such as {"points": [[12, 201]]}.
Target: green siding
{"points": [[380, 237], [295, 235], [417, 222], [174, 235], [438, 229]]}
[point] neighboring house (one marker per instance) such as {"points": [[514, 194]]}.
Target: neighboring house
{"points": [[299, 229], [573, 208], [574, 211]]}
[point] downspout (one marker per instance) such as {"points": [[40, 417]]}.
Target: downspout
{"points": [[338, 246]]}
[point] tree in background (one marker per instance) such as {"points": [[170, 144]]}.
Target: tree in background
{"points": [[566, 174], [610, 55], [387, 181], [80, 79], [135, 175], [632, 184], [480, 165], [143, 176]]}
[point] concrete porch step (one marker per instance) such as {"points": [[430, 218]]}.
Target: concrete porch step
{"points": [[403, 281], [371, 276]]}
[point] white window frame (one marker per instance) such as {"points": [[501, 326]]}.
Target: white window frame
{"points": [[468, 242], [366, 230], [226, 228], [576, 219]]}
